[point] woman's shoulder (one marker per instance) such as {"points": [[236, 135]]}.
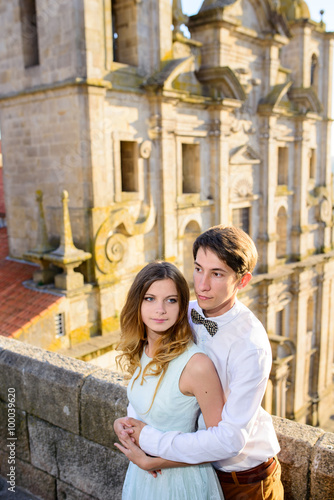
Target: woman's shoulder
{"points": [[182, 359], [193, 349]]}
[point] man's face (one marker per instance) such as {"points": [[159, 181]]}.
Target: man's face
{"points": [[215, 283]]}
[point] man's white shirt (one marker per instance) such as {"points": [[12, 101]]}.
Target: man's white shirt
{"points": [[245, 437]]}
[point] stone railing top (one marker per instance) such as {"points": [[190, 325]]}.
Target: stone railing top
{"points": [[66, 407]]}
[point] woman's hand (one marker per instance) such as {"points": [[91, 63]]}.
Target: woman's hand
{"points": [[136, 455], [122, 425], [129, 425]]}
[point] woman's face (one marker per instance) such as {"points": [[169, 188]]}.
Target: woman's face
{"points": [[160, 307]]}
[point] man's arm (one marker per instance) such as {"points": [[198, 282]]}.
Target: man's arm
{"points": [[247, 387]]}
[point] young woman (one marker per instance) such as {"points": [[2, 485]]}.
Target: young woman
{"points": [[171, 382]]}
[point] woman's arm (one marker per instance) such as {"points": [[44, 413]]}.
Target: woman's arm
{"points": [[139, 457], [134, 453], [200, 379]]}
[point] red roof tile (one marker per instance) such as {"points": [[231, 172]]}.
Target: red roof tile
{"points": [[18, 305]]}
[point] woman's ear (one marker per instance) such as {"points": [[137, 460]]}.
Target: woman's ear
{"points": [[244, 280]]}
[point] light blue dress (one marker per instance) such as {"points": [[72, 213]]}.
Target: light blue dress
{"points": [[170, 411]]}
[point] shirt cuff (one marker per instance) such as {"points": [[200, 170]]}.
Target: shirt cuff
{"points": [[149, 439]]}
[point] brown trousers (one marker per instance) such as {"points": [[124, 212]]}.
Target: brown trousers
{"points": [[270, 488]]}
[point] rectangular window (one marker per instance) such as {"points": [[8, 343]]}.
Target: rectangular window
{"points": [[124, 31], [129, 166], [241, 218], [282, 166], [60, 325], [191, 175], [280, 323], [29, 33], [312, 163]]}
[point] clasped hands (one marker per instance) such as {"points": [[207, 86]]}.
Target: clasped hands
{"points": [[128, 431]]}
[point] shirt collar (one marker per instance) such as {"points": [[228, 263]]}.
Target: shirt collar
{"points": [[225, 318]]}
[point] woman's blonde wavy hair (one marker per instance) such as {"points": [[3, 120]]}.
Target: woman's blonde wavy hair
{"points": [[133, 335]]}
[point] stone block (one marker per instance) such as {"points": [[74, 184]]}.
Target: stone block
{"points": [[296, 441], [67, 492], [47, 385], [21, 431], [31, 479], [71, 281], [103, 399], [89, 467], [43, 445], [322, 469]]}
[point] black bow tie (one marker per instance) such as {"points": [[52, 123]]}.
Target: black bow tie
{"points": [[211, 326]]}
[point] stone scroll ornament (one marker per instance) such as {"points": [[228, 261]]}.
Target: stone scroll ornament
{"points": [[110, 246]]}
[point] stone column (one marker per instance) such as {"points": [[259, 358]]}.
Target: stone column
{"points": [[267, 230], [297, 404], [300, 229], [325, 335]]}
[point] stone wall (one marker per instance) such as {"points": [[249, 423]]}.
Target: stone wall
{"points": [[64, 410]]}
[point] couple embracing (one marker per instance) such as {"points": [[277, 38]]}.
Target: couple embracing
{"points": [[195, 428]]}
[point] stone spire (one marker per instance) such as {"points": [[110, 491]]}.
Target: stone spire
{"points": [[42, 243], [67, 255], [44, 275], [178, 17]]}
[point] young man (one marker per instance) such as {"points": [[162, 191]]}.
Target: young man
{"points": [[243, 447]]}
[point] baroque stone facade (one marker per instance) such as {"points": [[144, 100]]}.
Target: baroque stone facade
{"points": [[157, 137]]}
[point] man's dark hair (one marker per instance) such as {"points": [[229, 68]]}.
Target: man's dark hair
{"points": [[231, 245]]}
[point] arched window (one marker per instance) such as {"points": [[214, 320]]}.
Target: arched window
{"points": [[281, 224]]}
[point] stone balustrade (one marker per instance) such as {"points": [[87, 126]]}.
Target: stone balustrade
{"points": [[61, 413]]}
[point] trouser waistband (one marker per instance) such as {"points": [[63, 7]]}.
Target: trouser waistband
{"points": [[249, 476]]}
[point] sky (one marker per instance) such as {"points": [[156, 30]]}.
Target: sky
{"points": [[191, 7]]}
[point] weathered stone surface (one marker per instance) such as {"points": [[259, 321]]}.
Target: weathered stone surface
{"points": [[20, 432], [31, 479], [67, 492], [52, 394], [322, 470], [93, 469], [43, 442], [296, 441], [103, 399]]}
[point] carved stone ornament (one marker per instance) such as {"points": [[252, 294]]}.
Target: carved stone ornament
{"points": [[115, 247], [145, 149], [112, 237], [325, 210], [243, 188]]}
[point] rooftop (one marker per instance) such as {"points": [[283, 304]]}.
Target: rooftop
{"points": [[19, 305]]}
